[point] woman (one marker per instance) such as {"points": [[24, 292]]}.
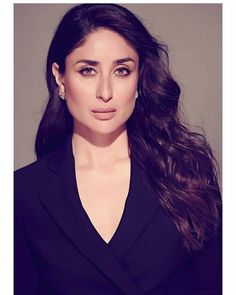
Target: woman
{"points": [[123, 199]]}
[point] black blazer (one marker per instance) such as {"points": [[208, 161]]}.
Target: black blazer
{"points": [[59, 252]]}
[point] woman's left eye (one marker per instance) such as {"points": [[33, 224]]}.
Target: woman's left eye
{"points": [[122, 72]]}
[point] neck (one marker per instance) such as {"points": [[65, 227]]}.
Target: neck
{"points": [[100, 151]]}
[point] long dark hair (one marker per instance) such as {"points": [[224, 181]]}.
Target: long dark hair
{"points": [[178, 164]]}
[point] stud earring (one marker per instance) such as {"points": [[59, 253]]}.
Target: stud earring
{"points": [[62, 95], [136, 95]]}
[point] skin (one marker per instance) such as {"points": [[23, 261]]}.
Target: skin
{"points": [[100, 143], [102, 85]]}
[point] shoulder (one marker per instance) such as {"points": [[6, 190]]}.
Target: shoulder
{"points": [[30, 171], [31, 178]]}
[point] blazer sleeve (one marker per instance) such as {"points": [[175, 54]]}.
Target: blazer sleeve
{"points": [[207, 271], [25, 274], [204, 272]]}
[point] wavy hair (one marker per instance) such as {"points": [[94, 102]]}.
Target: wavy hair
{"points": [[178, 165]]}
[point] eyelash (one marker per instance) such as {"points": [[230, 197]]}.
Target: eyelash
{"points": [[84, 71], [124, 69]]}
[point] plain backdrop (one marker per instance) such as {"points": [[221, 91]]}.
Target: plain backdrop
{"points": [[193, 33]]}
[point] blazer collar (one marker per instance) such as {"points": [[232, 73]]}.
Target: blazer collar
{"points": [[140, 208], [60, 199]]}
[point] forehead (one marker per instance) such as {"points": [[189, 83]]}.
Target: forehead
{"points": [[104, 44]]}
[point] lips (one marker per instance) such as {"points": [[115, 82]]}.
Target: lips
{"points": [[101, 110], [103, 114]]}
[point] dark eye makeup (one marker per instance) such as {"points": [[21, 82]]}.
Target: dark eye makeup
{"points": [[89, 71], [123, 71]]}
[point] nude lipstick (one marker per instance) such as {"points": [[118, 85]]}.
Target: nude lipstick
{"points": [[104, 114]]}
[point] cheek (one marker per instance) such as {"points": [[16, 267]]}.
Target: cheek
{"points": [[77, 98], [127, 89], [127, 94], [127, 104], [126, 100], [76, 92], [131, 106]]}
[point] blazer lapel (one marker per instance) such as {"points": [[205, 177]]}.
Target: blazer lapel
{"points": [[59, 199], [140, 208]]}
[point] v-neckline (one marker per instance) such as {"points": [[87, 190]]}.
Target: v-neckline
{"points": [[58, 198], [91, 226]]}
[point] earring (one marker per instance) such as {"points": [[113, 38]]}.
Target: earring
{"points": [[136, 95], [62, 95]]}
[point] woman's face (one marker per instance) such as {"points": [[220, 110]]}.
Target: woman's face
{"points": [[100, 82]]}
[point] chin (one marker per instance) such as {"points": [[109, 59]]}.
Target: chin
{"points": [[101, 128], [108, 129]]}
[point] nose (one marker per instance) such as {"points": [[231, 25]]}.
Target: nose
{"points": [[104, 89]]}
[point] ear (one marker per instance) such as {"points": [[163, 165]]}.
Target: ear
{"points": [[58, 77]]}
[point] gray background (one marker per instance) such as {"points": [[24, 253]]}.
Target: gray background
{"points": [[193, 33]]}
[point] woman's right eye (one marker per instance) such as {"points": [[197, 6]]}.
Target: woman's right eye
{"points": [[87, 72]]}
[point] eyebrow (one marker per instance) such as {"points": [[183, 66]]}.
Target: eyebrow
{"points": [[94, 62]]}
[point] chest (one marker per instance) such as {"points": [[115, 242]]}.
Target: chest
{"points": [[103, 198], [145, 245]]}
